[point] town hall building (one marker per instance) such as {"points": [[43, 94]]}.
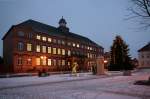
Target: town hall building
{"points": [[31, 46]]}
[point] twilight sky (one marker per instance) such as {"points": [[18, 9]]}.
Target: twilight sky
{"points": [[99, 20]]}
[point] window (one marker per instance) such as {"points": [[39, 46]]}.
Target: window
{"points": [[59, 41], [43, 60], [44, 38], [29, 47], [38, 48], [68, 63], [69, 52], [63, 42], [38, 37], [54, 41], [73, 44], [20, 46], [44, 49], [37, 61], [54, 50], [63, 51], [58, 51], [49, 40], [30, 35], [49, 49], [78, 45], [49, 62], [21, 34], [29, 61], [69, 43], [59, 62], [54, 62], [63, 62], [19, 61]]}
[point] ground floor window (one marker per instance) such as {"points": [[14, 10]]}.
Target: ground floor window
{"points": [[63, 62], [43, 61], [19, 61], [49, 62], [37, 61], [29, 61], [54, 62]]}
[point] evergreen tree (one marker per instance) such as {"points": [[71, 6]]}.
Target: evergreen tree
{"points": [[120, 59]]}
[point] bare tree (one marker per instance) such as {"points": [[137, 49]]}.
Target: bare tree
{"points": [[141, 10]]}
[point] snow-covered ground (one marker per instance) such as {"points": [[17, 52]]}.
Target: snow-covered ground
{"points": [[86, 86]]}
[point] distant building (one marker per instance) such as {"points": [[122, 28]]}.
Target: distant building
{"points": [[144, 56], [107, 58], [31, 46]]}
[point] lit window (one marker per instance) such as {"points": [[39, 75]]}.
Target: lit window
{"points": [[29, 47], [37, 61], [38, 48], [49, 49], [19, 61], [63, 62], [44, 38], [58, 51], [49, 40], [44, 49], [49, 62], [29, 61], [38, 37], [68, 63], [54, 62], [69, 52], [73, 44], [43, 61], [78, 45], [20, 46], [20, 33], [88, 47], [63, 42], [54, 50], [63, 51]]}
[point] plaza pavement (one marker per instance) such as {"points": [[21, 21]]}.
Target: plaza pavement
{"points": [[84, 86]]}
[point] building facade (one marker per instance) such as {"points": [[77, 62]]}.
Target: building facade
{"points": [[31, 46], [144, 56]]}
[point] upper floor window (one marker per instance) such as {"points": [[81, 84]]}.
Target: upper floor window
{"points": [[21, 34], [59, 41], [44, 38], [73, 44], [58, 51], [20, 46], [78, 45], [63, 51], [44, 49], [69, 52], [63, 62], [38, 48], [54, 41], [69, 43], [38, 37], [49, 40], [49, 49], [30, 35], [63, 42], [54, 50], [29, 47]]}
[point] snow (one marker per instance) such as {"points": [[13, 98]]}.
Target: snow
{"points": [[85, 86]]}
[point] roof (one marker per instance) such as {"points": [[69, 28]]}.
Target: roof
{"points": [[145, 48], [51, 30]]}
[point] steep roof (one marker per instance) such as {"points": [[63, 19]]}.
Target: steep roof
{"points": [[51, 30], [145, 48]]}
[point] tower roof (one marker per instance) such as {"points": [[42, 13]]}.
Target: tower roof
{"points": [[145, 48], [62, 20]]}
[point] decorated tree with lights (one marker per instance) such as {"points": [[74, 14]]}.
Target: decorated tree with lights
{"points": [[120, 58]]}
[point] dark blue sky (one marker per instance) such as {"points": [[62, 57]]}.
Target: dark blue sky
{"points": [[99, 20]]}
